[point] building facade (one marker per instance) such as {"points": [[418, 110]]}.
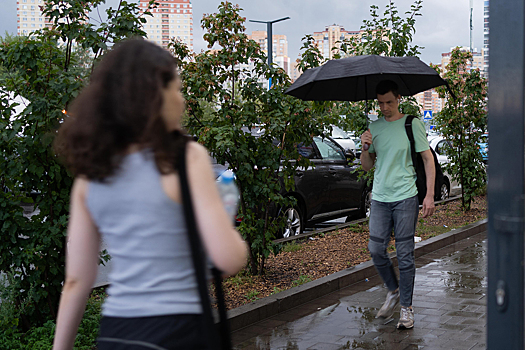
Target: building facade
{"points": [[29, 17], [430, 101], [486, 38], [171, 18], [478, 59], [329, 39], [279, 48]]}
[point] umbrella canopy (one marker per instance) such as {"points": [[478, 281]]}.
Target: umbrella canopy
{"points": [[355, 78]]}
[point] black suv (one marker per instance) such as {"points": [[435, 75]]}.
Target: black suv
{"points": [[329, 190]]}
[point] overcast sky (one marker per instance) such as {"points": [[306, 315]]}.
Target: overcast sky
{"points": [[443, 24]]}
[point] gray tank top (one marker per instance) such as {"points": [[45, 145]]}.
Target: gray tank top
{"points": [[145, 233]]}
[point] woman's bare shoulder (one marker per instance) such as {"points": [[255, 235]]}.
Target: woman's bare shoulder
{"points": [[196, 151]]}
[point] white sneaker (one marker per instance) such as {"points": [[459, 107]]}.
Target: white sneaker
{"points": [[387, 310], [406, 320]]}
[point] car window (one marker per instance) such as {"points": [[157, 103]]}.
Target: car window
{"points": [[307, 151], [328, 150]]}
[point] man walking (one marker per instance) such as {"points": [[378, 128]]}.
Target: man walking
{"points": [[395, 203]]}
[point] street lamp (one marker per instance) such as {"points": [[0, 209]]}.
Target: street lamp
{"points": [[269, 37]]}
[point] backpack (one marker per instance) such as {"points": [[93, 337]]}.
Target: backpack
{"points": [[419, 166]]}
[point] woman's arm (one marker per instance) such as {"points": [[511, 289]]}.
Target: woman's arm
{"points": [[223, 243], [81, 267]]}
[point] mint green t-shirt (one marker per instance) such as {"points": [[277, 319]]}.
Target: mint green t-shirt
{"points": [[395, 176]]}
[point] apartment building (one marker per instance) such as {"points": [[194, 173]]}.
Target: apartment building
{"points": [[29, 17], [486, 38], [329, 38], [171, 18], [430, 101], [478, 59], [279, 47]]}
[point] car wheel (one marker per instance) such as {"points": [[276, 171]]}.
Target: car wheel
{"points": [[364, 210], [367, 204], [444, 192], [294, 222]]}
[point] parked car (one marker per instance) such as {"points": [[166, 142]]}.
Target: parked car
{"points": [[440, 145], [343, 138], [329, 190]]}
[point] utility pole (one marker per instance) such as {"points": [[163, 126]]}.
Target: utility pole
{"points": [[269, 37]]}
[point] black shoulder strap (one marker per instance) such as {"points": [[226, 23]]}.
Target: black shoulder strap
{"points": [[199, 265], [410, 134]]}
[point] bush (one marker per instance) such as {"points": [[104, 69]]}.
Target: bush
{"points": [[41, 337]]}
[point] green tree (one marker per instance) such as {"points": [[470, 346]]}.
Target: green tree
{"points": [[387, 35], [462, 121], [47, 68], [264, 163]]}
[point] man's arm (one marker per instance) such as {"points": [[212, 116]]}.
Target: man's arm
{"points": [[430, 172], [367, 158]]}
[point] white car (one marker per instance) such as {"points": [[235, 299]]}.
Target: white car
{"points": [[438, 144], [342, 138]]}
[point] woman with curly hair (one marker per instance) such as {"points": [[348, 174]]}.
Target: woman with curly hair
{"points": [[122, 141]]}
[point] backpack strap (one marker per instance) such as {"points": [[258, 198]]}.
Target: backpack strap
{"points": [[410, 134]]}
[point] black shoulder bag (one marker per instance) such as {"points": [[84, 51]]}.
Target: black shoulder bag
{"points": [[217, 337], [419, 166]]}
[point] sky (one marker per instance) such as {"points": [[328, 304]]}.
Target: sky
{"points": [[443, 24]]}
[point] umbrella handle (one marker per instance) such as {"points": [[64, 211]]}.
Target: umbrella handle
{"points": [[365, 147]]}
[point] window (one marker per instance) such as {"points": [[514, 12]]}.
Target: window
{"points": [[307, 151], [328, 150]]}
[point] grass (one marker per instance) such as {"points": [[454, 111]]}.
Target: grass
{"points": [[301, 280], [432, 231], [292, 247], [242, 278], [277, 290], [252, 295]]}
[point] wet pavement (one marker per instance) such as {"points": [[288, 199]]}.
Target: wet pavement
{"points": [[449, 304]]}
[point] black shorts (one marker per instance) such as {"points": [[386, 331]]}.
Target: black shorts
{"points": [[170, 332]]}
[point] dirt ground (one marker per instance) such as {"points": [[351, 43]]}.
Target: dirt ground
{"points": [[322, 255]]}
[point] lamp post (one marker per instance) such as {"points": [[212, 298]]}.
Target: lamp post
{"points": [[269, 37]]}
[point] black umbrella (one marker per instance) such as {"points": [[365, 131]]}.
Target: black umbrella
{"points": [[355, 78]]}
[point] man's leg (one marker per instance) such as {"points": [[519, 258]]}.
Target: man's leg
{"points": [[405, 215], [380, 225]]}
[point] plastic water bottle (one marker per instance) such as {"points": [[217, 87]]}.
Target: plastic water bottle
{"points": [[229, 193]]}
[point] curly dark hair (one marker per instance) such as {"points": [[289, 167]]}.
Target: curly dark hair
{"points": [[121, 107]]}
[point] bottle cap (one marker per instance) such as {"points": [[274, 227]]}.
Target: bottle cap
{"points": [[227, 177]]}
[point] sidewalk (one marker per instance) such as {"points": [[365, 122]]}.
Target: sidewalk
{"points": [[449, 304]]}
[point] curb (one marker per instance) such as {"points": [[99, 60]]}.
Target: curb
{"points": [[261, 309]]}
